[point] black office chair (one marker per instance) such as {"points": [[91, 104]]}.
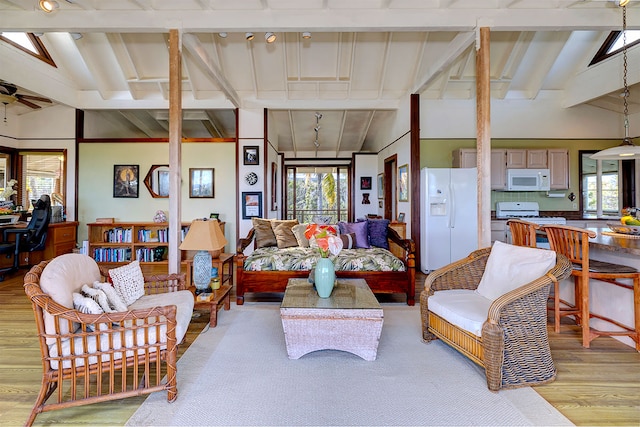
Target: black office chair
{"points": [[29, 239]]}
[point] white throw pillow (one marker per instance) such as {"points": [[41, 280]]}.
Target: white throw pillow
{"points": [[128, 282], [510, 267], [86, 305], [98, 296], [115, 302]]}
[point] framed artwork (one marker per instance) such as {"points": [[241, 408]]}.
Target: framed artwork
{"points": [[274, 189], [380, 186], [201, 183], [401, 217], [214, 216], [125, 181], [251, 155], [365, 183], [251, 204], [403, 183]]}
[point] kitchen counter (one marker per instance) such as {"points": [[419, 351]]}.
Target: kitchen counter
{"points": [[605, 242]]}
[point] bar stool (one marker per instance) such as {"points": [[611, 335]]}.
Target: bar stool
{"points": [[523, 233], [573, 243]]}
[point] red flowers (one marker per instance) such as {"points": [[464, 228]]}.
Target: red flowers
{"points": [[325, 237]]}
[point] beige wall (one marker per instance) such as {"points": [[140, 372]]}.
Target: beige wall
{"points": [[95, 178], [437, 153]]}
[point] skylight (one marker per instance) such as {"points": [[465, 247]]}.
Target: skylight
{"points": [[632, 37], [29, 43]]}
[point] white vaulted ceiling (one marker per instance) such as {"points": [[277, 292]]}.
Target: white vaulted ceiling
{"points": [[363, 60]]}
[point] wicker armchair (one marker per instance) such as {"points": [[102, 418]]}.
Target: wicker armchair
{"points": [[513, 347], [90, 358]]}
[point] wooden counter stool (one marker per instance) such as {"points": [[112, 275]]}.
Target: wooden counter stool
{"points": [[573, 243], [523, 233]]}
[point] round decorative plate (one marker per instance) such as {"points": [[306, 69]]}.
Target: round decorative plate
{"points": [[251, 178]]}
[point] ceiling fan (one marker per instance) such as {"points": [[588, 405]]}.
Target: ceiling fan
{"points": [[9, 94]]}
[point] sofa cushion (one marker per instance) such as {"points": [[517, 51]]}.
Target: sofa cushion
{"points": [[63, 276], [509, 267], [377, 230], [284, 233], [464, 308], [263, 233], [298, 232], [359, 229], [128, 281]]}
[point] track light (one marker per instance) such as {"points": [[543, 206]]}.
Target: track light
{"points": [[249, 36], [76, 36], [306, 35], [48, 6], [269, 37], [622, 2], [222, 35]]}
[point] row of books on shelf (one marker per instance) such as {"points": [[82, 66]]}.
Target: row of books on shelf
{"points": [[123, 235], [149, 255], [112, 254]]}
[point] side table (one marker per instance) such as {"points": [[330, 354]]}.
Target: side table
{"points": [[220, 297]]}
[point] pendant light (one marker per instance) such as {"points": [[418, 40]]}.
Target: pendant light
{"points": [[626, 150]]}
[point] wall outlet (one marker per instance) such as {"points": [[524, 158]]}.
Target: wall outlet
{"points": [[575, 206]]}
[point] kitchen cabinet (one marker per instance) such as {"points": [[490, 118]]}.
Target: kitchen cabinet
{"points": [[521, 158], [499, 231], [558, 168], [467, 158]]}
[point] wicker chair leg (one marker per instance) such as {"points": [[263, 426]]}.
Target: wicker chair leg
{"points": [[556, 305], [493, 343]]}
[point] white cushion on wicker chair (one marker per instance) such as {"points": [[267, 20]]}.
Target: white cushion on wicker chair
{"points": [[464, 308], [63, 276], [183, 300], [509, 267]]}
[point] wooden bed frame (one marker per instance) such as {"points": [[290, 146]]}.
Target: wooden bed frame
{"points": [[382, 282]]}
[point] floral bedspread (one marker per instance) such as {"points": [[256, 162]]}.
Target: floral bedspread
{"points": [[297, 258]]}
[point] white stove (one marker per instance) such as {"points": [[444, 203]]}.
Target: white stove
{"points": [[528, 211]]}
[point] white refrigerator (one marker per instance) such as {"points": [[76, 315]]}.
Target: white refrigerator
{"points": [[448, 216]]}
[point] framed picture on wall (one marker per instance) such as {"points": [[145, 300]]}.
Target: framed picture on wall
{"points": [[251, 204], [125, 181], [251, 155], [403, 183], [380, 186], [365, 183], [201, 183]]}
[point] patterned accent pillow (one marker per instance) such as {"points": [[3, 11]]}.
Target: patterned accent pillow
{"points": [[98, 296], [359, 229], [284, 235], [348, 240], [298, 232], [86, 305], [264, 233], [128, 282], [377, 230], [115, 302]]}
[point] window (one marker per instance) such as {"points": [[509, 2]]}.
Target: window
{"points": [[29, 43], [613, 44], [600, 185], [315, 191], [42, 173]]}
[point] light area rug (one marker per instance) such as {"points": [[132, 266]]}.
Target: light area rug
{"points": [[239, 374]]}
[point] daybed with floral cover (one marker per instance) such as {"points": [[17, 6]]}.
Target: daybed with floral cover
{"points": [[283, 254]]}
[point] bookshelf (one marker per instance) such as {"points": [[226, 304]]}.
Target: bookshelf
{"points": [[113, 244]]}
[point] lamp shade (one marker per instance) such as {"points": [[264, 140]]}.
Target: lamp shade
{"points": [[204, 235], [627, 150]]}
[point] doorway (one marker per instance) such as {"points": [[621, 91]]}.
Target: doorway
{"points": [[390, 173]]}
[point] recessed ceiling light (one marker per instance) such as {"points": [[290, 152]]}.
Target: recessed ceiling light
{"points": [[48, 5], [269, 37], [222, 35], [249, 36]]}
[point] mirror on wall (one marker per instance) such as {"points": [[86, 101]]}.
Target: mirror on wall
{"points": [[157, 181]]}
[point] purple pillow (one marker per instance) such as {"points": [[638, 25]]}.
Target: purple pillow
{"points": [[377, 229], [359, 229]]}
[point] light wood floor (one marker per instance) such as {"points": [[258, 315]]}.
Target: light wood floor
{"points": [[597, 386]]}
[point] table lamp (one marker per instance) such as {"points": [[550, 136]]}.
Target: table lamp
{"points": [[205, 237]]}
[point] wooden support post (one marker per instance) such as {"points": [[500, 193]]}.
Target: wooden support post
{"points": [[483, 124], [175, 147]]}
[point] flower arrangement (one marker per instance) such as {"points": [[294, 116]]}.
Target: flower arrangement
{"points": [[326, 238], [9, 190]]}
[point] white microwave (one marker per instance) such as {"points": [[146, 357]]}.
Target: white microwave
{"points": [[528, 180]]}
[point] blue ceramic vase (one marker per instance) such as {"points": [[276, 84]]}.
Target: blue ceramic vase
{"points": [[325, 277]]}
